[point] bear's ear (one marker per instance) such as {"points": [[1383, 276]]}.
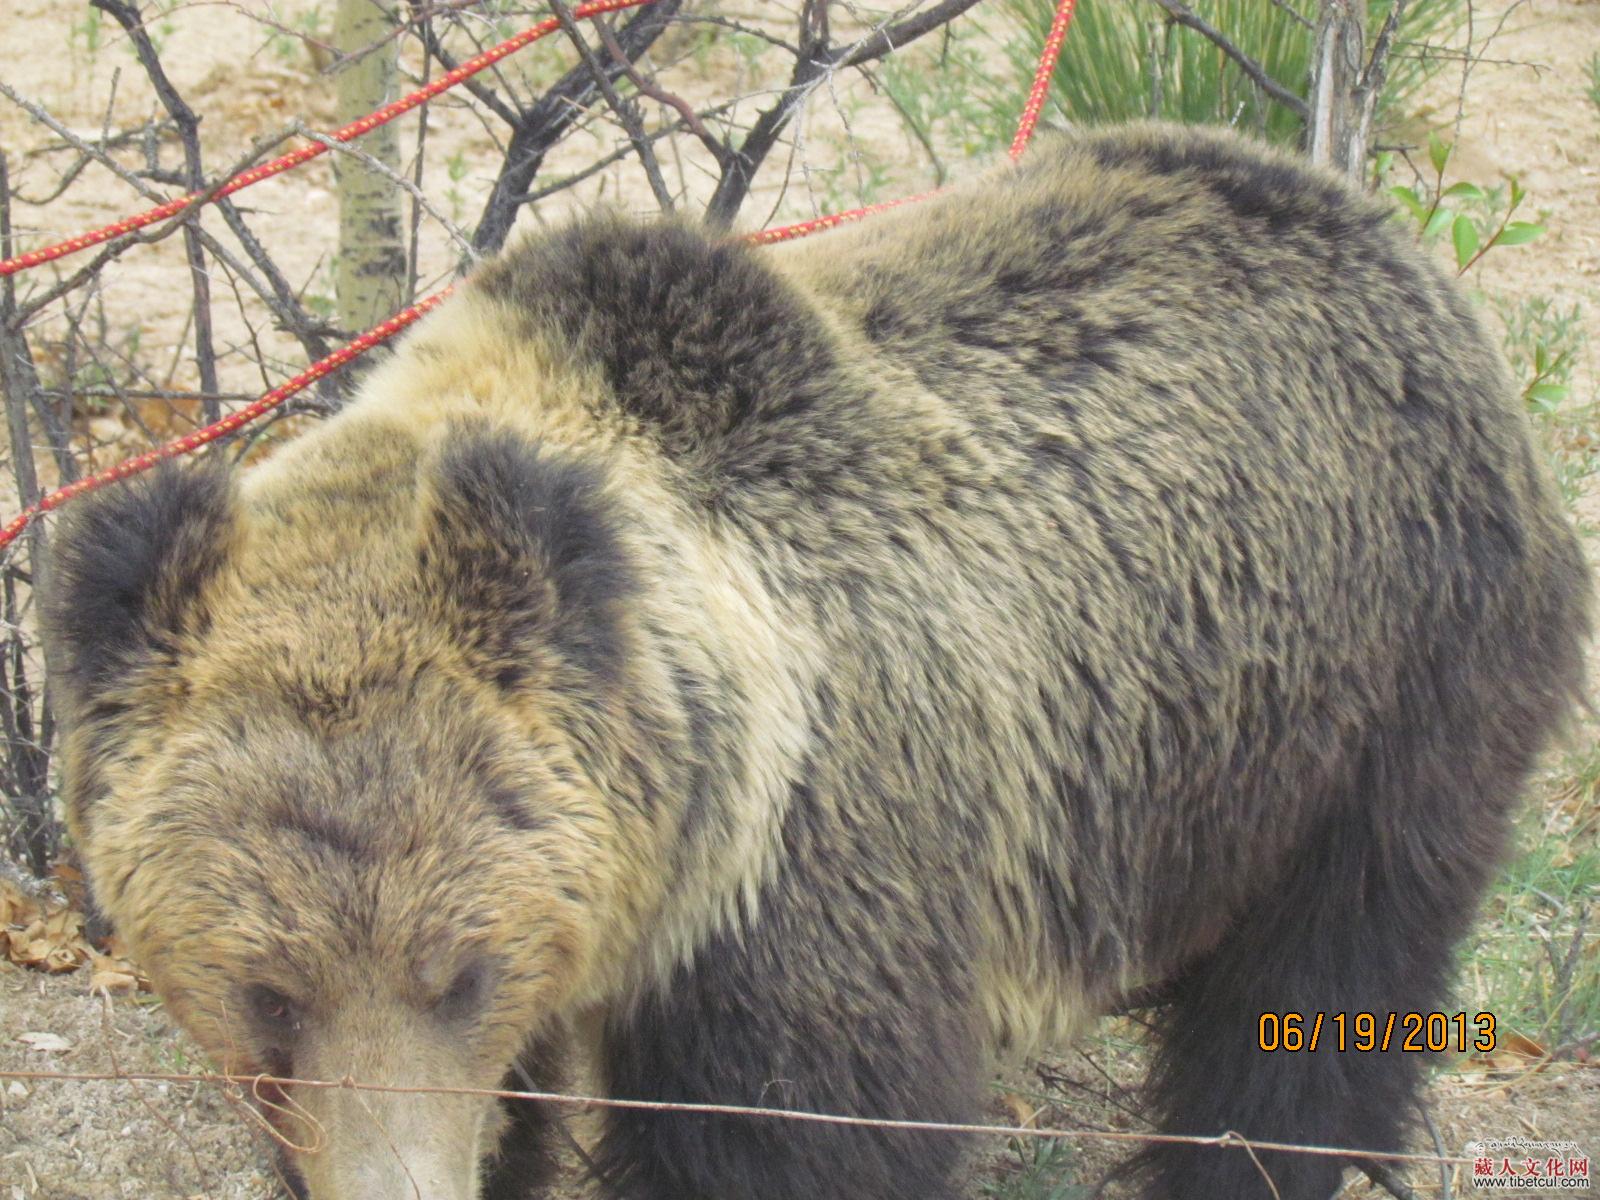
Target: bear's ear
{"points": [[521, 549], [125, 572]]}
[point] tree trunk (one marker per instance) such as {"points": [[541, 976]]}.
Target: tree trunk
{"points": [[370, 280], [1342, 100]]}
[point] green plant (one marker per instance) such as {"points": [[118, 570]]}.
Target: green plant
{"points": [[87, 31], [859, 177], [287, 39], [1593, 90], [1124, 60], [935, 97], [1038, 1170], [1535, 959], [456, 168], [1478, 219], [173, 1057], [1543, 344]]}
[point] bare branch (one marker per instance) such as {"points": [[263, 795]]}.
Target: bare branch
{"points": [[17, 372], [627, 115], [813, 66], [188, 124], [457, 234], [418, 160], [281, 298], [481, 92], [1378, 62], [646, 87], [1184, 15], [548, 120]]}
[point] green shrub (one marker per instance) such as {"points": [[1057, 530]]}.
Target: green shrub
{"points": [[1108, 70]]}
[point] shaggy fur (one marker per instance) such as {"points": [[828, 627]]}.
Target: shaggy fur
{"points": [[808, 673]]}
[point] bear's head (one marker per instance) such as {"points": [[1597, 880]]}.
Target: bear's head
{"points": [[333, 800]]}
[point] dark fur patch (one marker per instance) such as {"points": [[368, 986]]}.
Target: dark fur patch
{"points": [[321, 828], [125, 570], [505, 798], [526, 1160], [1276, 194], [524, 545], [695, 335]]}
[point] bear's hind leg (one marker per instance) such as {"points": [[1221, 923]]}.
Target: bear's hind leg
{"points": [[1364, 922]]}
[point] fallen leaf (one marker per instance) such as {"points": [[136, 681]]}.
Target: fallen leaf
{"points": [[70, 880], [50, 1043], [1512, 1052], [1023, 1112], [46, 934], [117, 976]]}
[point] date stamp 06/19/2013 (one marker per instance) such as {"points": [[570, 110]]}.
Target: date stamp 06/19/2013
{"points": [[1413, 1032]]}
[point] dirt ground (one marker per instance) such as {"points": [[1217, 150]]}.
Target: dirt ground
{"points": [[1525, 116]]}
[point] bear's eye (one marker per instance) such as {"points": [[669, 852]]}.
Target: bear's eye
{"points": [[272, 1009], [467, 993]]}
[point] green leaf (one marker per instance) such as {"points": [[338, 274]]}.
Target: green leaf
{"points": [[1518, 233], [1547, 395], [1465, 236], [1541, 358], [1438, 152], [1516, 193], [1410, 199], [1469, 190], [1383, 165], [1437, 223]]}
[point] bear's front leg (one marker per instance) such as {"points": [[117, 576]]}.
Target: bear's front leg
{"points": [[523, 1164], [836, 999]]}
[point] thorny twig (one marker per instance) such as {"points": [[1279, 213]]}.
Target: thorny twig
{"points": [[188, 124], [280, 298], [456, 233], [816, 63], [627, 114]]}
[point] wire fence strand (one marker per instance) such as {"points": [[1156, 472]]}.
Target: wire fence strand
{"points": [[1225, 1140]]}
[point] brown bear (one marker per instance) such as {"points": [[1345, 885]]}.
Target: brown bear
{"points": [[806, 675]]}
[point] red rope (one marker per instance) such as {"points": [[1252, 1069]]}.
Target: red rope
{"points": [[1042, 76], [380, 333], [800, 229], [228, 424], [305, 154]]}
